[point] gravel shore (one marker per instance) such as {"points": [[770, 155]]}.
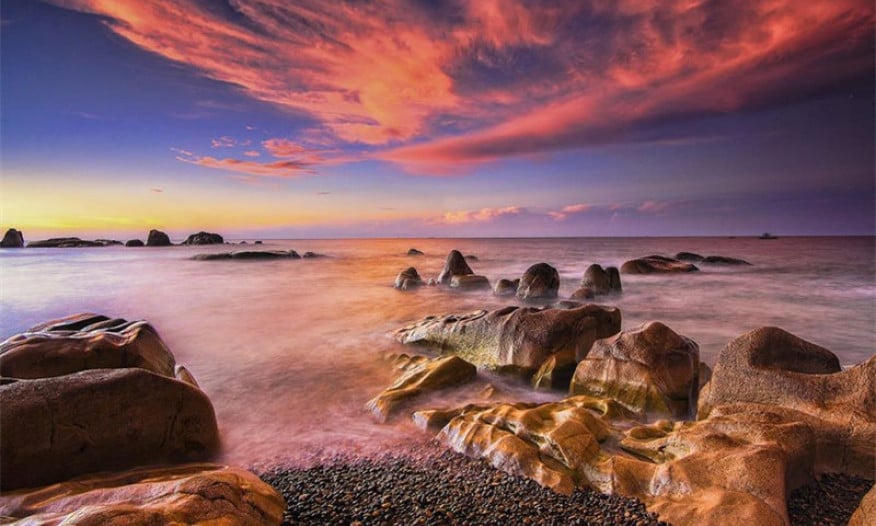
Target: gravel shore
{"points": [[829, 501]]}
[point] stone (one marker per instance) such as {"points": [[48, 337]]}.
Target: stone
{"points": [[865, 515], [647, 369], [65, 242], [600, 280], [424, 377], [655, 265], [183, 494], [157, 238], [556, 372], [774, 368], [540, 282], [471, 257], [12, 239], [134, 243], [689, 256], [408, 279], [517, 339], [100, 419], [248, 255], [312, 255], [470, 282], [258, 242], [415, 252], [584, 293], [454, 265], [506, 287], [724, 260], [204, 238]]}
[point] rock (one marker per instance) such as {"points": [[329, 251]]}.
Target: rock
{"points": [[724, 260], [12, 239], [866, 513], [414, 252], [689, 256], [65, 242], [584, 293], [258, 242], [408, 279], [772, 367], [248, 255], [540, 282], [184, 494], [454, 265], [470, 282], [134, 243], [312, 255], [157, 238], [655, 265], [427, 376], [471, 257], [514, 338], [506, 287], [100, 419], [601, 281], [84, 341], [556, 372], [432, 282], [647, 369], [204, 238]]}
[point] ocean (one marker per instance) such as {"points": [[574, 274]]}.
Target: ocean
{"points": [[289, 351]]}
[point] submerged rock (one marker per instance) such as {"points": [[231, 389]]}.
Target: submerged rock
{"points": [[540, 282], [415, 252], [248, 255], [454, 265], [689, 256], [724, 260], [470, 282], [157, 238], [312, 255], [656, 264], [134, 243], [506, 287], [408, 279], [12, 239], [204, 238], [67, 242], [584, 293], [601, 280]]}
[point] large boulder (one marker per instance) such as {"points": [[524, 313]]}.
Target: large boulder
{"points": [[454, 265], [423, 376], [204, 238], [470, 282], [134, 243], [540, 282], [65, 242], [506, 287], [157, 238], [601, 280], [184, 494], [689, 256], [515, 338], [12, 239], [656, 265], [408, 279], [774, 368], [650, 368], [724, 260]]}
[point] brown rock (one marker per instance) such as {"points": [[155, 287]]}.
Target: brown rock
{"points": [[540, 282], [470, 282], [689, 256], [584, 293], [454, 265], [408, 279], [600, 280], [506, 287], [556, 372], [865, 515], [656, 264]]}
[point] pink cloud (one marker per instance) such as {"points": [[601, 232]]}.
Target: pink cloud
{"points": [[653, 207], [223, 142], [477, 216], [252, 153], [283, 169], [283, 147], [566, 211]]}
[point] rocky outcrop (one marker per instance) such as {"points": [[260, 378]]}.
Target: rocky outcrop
{"points": [[601, 280], [647, 369], [248, 255], [540, 282], [157, 238], [134, 243], [12, 239], [689, 256], [70, 242], [422, 376], [724, 260], [506, 287], [774, 368], [408, 279], [454, 265], [185, 494], [515, 338], [655, 265], [470, 282], [204, 238], [556, 372], [866, 513], [415, 252]]}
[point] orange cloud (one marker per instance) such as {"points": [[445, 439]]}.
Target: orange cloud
{"points": [[283, 147], [566, 211], [477, 216], [282, 169], [252, 153]]}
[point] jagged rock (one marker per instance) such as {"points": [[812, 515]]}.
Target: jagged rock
{"points": [[865, 515], [470, 282], [454, 265], [506, 287], [540, 282], [724, 260], [689, 256], [600, 280], [408, 279], [134, 243], [425, 376], [515, 338], [649, 368], [415, 252], [204, 238], [584, 293], [656, 264], [12, 239], [772, 367], [185, 494], [157, 238]]}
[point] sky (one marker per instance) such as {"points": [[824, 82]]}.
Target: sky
{"points": [[415, 118]]}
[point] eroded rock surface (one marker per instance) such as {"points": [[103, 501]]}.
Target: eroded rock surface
{"points": [[408, 279], [470, 282], [865, 515], [540, 282], [656, 265], [601, 280]]}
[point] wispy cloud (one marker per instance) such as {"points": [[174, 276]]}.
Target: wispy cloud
{"points": [[566, 211], [252, 153], [282, 169], [156, 190], [223, 142], [477, 216]]}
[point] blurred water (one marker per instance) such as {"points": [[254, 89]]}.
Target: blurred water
{"points": [[288, 351]]}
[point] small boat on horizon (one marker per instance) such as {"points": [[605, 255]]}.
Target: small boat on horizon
{"points": [[767, 235]]}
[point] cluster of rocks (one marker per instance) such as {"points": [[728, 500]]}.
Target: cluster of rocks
{"points": [[682, 262], [15, 239], [89, 401], [255, 255], [728, 444]]}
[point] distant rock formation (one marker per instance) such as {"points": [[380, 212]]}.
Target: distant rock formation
{"points": [[415, 252], [134, 243], [157, 238], [71, 242], [12, 239], [204, 238], [656, 265]]}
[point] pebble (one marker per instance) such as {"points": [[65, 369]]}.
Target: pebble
{"points": [[829, 501]]}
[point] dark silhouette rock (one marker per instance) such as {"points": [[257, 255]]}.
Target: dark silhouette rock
{"points": [[471, 257], [454, 265], [408, 279], [65, 242], [689, 256], [540, 282], [656, 265], [414, 252], [506, 287], [724, 260], [157, 238], [12, 239], [248, 255], [204, 238], [134, 243], [258, 242], [312, 255]]}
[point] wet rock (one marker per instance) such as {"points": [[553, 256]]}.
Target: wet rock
{"points": [[689, 256], [866, 512], [650, 368], [185, 494], [506, 287], [12, 239], [724, 260], [408, 279], [470, 282], [584, 293], [312, 255], [540, 282], [204, 238], [426, 376], [514, 338], [157, 238], [454, 265], [415, 252], [134, 243], [656, 265], [600, 280], [772, 367], [556, 372]]}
